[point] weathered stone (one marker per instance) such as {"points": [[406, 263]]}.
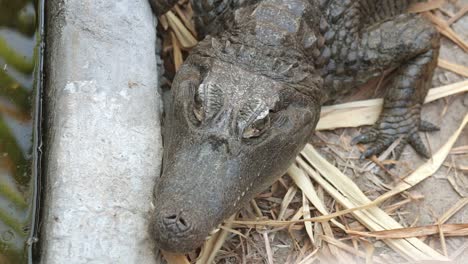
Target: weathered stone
{"points": [[102, 132]]}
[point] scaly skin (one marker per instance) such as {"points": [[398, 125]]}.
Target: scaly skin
{"points": [[247, 98], [162, 6]]}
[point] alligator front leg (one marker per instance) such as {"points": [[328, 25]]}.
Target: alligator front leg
{"points": [[415, 43], [352, 55]]}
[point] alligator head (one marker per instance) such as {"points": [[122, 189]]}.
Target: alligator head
{"points": [[228, 134]]}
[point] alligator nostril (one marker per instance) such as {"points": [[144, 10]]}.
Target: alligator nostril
{"points": [[182, 221], [182, 224], [176, 223], [170, 219]]}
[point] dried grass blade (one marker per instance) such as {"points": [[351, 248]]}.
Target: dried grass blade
{"points": [[212, 246], [323, 218], [186, 39], [288, 197], [164, 22], [456, 68], [175, 259], [442, 240], [305, 184], [233, 231], [455, 255], [348, 194], [310, 258], [447, 230], [453, 210], [349, 249], [425, 6], [295, 217], [446, 90], [367, 112], [370, 249], [308, 225], [176, 52], [445, 30], [268, 248], [458, 15], [353, 114], [462, 150], [188, 24], [335, 251]]}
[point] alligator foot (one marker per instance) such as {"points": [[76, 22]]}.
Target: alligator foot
{"points": [[392, 128]]}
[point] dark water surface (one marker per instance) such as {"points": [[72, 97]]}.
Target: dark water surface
{"points": [[20, 82]]}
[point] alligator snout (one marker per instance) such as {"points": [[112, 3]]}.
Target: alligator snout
{"points": [[192, 194], [174, 231]]}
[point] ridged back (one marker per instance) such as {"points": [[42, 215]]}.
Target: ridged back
{"points": [[373, 11], [214, 16]]}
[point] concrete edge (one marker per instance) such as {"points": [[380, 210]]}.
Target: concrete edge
{"points": [[102, 132]]}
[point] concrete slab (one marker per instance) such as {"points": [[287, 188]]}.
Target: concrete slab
{"points": [[102, 132]]}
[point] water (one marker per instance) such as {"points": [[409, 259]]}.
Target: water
{"points": [[20, 71]]}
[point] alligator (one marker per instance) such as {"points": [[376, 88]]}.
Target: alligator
{"points": [[248, 97]]}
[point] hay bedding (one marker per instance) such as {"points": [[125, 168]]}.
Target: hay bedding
{"points": [[333, 208]]}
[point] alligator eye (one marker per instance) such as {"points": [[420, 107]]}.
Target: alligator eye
{"points": [[257, 127], [207, 102], [198, 109]]}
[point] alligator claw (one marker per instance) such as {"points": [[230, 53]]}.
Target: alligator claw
{"points": [[399, 150], [383, 134], [380, 143], [416, 142], [367, 137], [426, 126]]}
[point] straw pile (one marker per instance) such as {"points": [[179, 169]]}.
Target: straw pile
{"points": [[337, 209]]}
